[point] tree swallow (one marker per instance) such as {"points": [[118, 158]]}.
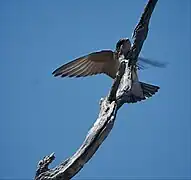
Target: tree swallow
{"points": [[107, 62]]}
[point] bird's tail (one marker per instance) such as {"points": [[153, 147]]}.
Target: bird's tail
{"points": [[148, 90]]}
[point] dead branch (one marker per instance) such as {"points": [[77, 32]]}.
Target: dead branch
{"points": [[109, 106]]}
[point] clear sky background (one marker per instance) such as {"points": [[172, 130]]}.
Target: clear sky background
{"points": [[40, 114]]}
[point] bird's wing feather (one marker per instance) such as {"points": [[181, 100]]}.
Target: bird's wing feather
{"points": [[143, 63], [91, 64]]}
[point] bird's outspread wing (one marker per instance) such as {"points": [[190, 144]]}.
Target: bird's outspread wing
{"points": [[91, 64]]}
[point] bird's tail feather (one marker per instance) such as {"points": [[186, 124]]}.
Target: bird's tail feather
{"points": [[148, 91]]}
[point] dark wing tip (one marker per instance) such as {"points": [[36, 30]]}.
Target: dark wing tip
{"points": [[151, 62], [56, 73]]}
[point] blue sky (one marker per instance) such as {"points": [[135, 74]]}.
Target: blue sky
{"points": [[41, 114]]}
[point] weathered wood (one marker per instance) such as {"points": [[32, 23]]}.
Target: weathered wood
{"points": [[108, 110], [94, 138]]}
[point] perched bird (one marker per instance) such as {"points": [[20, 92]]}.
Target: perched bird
{"points": [[107, 62]]}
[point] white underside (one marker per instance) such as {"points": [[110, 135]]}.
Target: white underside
{"points": [[136, 86]]}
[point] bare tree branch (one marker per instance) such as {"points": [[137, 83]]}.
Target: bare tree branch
{"points": [[109, 106]]}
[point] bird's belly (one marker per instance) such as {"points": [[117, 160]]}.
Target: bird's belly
{"points": [[136, 86]]}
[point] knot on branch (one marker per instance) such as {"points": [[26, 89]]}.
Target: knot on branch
{"points": [[44, 163]]}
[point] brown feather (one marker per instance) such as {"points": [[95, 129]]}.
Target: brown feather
{"points": [[92, 64]]}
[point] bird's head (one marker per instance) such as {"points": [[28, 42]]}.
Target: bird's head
{"points": [[123, 46]]}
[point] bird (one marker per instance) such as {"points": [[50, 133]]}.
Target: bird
{"points": [[107, 62]]}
